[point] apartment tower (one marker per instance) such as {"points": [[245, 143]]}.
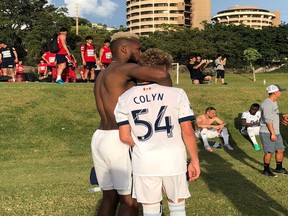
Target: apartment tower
{"points": [[145, 16]]}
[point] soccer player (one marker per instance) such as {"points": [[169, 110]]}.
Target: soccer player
{"points": [[42, 68], [205, 123], [89, 58], [105, 54], [110, 156], [8, 58], [50, 59], [159, 119], [250, 121]]}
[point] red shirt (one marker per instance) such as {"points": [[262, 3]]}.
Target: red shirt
{"points": [[60, 45], [89, 52], [42, 67], [19, 69], [107, 55], [50, 57]]}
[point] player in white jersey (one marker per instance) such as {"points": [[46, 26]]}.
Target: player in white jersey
{"points": [[159, 119], [250, 121]]}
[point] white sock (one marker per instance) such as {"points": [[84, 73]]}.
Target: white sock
{"points": [[225, 135], [177, 209], [250, 132], [152, 210], [58, 77], [204, 137]]}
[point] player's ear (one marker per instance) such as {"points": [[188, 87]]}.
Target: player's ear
{"points": [[123, 48]]}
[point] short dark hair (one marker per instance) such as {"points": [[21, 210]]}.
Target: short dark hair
{"points": [[192, 56], [209, 109], [106, 41], [256, 105], [2, 42], [219, 55], [88, 38], [63, 29]]}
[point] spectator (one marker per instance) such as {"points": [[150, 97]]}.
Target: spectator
{"points": [[61, 55], [162, 165], [50, 59], [194, 69], [250, 121], [42, 68], [89, 58], [19, 68], [105, 53], [270, 132], [202, 69], [208, 129], [111, 158], [8, 58], [220, 72]]}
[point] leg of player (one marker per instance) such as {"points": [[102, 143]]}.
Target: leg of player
{"points": [[109, 203], [154, 209], [177, 209], [128, 206]]}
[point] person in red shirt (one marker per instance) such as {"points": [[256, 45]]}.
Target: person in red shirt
{"points": [[89, 58], [42, 68], [19, 68], [50, 59], [105, 54], [61, 55]]}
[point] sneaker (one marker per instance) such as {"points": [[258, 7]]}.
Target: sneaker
{"points": [[217, 145], [60, 82], [225, 83], [208, 148], [229, 147], [281, 171], [256, 147], [268, 173]]}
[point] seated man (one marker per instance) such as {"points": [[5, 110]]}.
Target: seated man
{"points": [[196, 68], [208, 129], [250, 121]]}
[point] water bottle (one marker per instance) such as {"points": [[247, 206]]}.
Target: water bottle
{"points": [[94, 189], [264, 82]]}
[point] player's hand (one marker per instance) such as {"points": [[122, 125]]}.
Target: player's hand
{"points": [[193, 171], [284, 119], [84, 63], [273, 138]]}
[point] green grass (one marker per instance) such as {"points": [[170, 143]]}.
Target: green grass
{"points": [[45, 152]]}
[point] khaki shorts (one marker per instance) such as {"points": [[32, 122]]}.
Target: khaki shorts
{"points": [[148, 189]]}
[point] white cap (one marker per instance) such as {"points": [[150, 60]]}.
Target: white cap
{"points": [[274, 88]]}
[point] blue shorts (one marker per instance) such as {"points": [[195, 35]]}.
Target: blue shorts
{"points": [[270, 146]]}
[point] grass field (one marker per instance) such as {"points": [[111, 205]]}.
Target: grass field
{"points": [[45, 152]]}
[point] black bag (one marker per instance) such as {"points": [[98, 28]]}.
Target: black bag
{"points": [[53, 44], [5, 78], [31, 77]]}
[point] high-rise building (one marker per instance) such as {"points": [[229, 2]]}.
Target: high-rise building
{"points": [[145, 16], [248, 15]]}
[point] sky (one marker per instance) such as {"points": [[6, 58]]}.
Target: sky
{"points": [[113, 12]]}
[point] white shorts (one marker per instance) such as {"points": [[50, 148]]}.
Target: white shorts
{"points": [[148, 189], [111, 161], [211, 133]]}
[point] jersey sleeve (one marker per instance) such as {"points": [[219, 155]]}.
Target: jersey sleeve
{"points": [[82, 48], [121, 113], [185, 112], [244, 115], [267, 114]]}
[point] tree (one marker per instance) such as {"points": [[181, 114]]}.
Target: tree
{"points": [[251, 55]]}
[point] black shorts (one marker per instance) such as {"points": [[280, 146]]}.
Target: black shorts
{"points": [[8, 63], [90, 65], [50, 68], [221, 74], [61, 58]]}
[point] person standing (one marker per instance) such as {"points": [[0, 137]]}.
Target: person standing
{"points": [[156, 121], [61, 55], [110, 156], [250, 121], [105, 54], [89, 58], [220, 72], [270, 131], [8, 58]]}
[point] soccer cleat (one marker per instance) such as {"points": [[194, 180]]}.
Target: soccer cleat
{"points": [[217, 145], [268, 173], [281, 171], [256, 147], [60, 82], [229, 147]]}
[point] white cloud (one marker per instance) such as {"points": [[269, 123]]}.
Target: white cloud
{"points": [[100, 8]]}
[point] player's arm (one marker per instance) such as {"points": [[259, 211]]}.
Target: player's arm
{"points": [[125, 135], [245, 124], [63, 40], [200, 124], [268, 116], [191, 146], [134, 71], [43, 57], [16, 55], [82, 55], [284, 119], [101, 54]]}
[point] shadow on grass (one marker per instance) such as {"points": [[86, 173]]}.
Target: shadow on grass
{"points": [[245, 195], [247, 76]]}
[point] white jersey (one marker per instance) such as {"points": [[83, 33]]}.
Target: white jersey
{"points": [[154, 113], [251, 118]]}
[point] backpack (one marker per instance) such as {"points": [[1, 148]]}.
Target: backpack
{"points": [[53, 44], [214, 66]]}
